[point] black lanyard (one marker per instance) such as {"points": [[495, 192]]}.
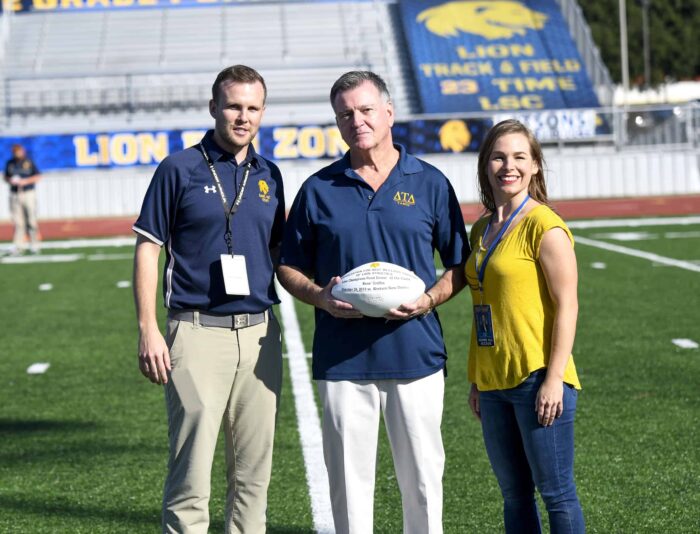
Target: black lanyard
{"points": [[228, 212]]}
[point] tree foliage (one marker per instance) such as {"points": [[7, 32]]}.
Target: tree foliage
{"points": [[674, 29]]}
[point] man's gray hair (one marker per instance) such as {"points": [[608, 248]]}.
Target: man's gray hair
{"points": [[355, 78]]}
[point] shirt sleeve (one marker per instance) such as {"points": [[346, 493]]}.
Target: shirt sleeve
{"points": [[278, 224], [299, 243], [35, 169], [449, 234], [159, 207], [543, 225]]}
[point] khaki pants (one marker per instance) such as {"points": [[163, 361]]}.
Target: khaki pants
{"points": [[234, 375], [23, 210]]}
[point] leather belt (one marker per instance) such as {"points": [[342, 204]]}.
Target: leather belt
{"points": [[234, 322]]}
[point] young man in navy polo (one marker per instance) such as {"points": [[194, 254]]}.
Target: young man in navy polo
{"points": [[22, 175], [378, 203], [218, 210]]}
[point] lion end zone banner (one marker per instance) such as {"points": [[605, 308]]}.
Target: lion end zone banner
{"points": [[280, 143], [494, 56]]}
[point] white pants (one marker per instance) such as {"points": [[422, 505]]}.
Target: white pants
{"points": [[412, 412]]}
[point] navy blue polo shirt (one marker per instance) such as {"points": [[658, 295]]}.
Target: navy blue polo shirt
{"points": [[337, 222], [23, 168], [182, 210]]}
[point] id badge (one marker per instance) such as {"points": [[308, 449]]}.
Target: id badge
{"points": [[484, 325], [235, 275]]}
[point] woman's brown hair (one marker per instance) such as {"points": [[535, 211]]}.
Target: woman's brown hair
{"points": [[537, 188]]}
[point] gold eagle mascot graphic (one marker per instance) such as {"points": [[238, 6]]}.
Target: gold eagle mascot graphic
{"points": [[264, 190], [491, 19], [455, 136]]}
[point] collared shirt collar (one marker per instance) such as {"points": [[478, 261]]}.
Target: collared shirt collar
{"points": [[216, 152], [408, 164]]}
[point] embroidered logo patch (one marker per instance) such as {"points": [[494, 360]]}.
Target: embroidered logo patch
{"points": [[210, 189], [404, 199], [264, 191]]}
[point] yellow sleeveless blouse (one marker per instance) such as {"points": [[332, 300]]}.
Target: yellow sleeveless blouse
{"points": [[522, 310]]}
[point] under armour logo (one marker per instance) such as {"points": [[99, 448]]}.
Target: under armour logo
{"points": [[209, 189]]}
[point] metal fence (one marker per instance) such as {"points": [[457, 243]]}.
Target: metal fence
{"points": [[590, 54], [130, 95]]}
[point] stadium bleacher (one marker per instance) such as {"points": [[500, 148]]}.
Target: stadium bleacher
{"points": [[83, 71], [154, 61]]}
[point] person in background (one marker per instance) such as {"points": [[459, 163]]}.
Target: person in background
{"points": [[218, 210], [523, 279], [378, 203], [22, 175]]}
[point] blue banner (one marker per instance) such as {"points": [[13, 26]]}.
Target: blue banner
{"points": [[126, 149], [494, 56], [42, 6]]}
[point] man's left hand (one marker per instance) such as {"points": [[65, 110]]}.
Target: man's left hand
{"points": [[407, 311]]}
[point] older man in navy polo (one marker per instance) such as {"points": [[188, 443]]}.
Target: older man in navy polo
{"points": [[378, 203], [218, 210]]}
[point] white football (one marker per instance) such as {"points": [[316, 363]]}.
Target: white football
{"points": [[376, 287]]}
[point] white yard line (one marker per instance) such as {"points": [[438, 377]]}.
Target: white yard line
{"points": [[689, 266], [685, 343], [41, 258], [307, 417], [626, 223], [38, 368], [82, 243], [633, 223]]}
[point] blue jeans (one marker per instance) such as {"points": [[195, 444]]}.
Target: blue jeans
{"points": [[525, 455]]}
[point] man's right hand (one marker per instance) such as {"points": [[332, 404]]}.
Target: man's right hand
{"points": [[337, 308], [154, 357]]}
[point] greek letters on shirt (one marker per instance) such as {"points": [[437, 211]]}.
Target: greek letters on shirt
{"points": [[403, 198]]}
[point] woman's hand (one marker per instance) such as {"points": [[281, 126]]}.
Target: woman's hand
{"points": [[474, 402], [549, 403]]}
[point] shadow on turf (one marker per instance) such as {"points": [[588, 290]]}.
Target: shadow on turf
{"points": [[18, 426], [99, 516], [218, 526]]}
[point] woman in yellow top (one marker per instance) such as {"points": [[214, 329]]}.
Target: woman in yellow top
{"points": [[523, 279]]}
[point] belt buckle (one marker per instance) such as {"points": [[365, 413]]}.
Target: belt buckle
{"points": [[241, 321]]}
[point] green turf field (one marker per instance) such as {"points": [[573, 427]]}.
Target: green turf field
{"points": [[83, 446]]}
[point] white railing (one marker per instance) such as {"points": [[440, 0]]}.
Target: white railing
{"points": [[572, 174], [581, 34]]}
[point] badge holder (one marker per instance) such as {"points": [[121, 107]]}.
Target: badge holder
{"points": [[235, 275], [233, 267], [484, 325], [482, 312]]}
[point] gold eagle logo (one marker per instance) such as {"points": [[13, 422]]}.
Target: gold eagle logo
{"points": [[264, 190], [498, 19], [455, 136]]}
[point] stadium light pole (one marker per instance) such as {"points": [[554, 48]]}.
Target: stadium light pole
{"points": [[624, 58], [645, 42]]}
